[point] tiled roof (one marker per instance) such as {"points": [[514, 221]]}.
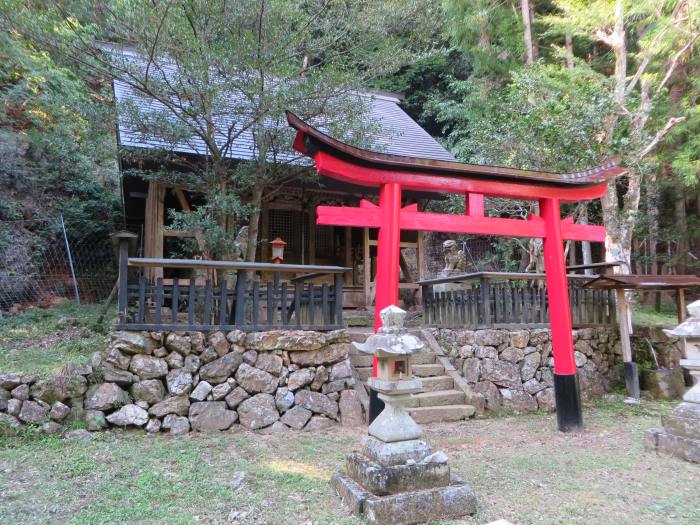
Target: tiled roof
{"points": [[400, 135]]}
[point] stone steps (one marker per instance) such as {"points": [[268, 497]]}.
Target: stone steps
{"points": [[423, 358], [436, 414], [435, 383], [440, 398], [364, 373], [361, 360], [428, 370]]}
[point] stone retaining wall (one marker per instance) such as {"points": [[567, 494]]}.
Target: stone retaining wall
{"points": [[178, 382], [513, 369]]}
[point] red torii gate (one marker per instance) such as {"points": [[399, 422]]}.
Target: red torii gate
{"points": [[394, 173]]}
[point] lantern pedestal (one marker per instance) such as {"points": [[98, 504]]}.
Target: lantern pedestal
{"points": [[395, 478], [680, 434]]}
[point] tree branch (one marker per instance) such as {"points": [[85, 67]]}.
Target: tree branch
{"points": [[672, 122]]}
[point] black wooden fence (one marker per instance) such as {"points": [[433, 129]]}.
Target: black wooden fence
{"points": [[505, 300], [199, 305]]}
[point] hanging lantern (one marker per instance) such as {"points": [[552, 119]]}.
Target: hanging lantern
{"points": [[278, 250]]}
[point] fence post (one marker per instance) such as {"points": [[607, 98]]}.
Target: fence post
{"points": [[338, 300], [122, 300], [70, 261]]}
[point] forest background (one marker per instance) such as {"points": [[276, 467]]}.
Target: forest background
{"points": [[554, 85]]}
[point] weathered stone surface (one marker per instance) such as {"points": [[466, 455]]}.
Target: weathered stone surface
{"points": [[512, 354], [519, 338], [421, 506], [532, 386], [51, 427], [529, 366], [285, 340], [218, 342], [21, 392], [129, 415], [175, 360], [153, 425], [258, 411], [236, 337], [79, 434], [660, 440], [337, 385], [325, 356], [95, 420], [220, 391], [179, 426], [296, 417], [300, 378], [178, 343], [130, 342], [518, 401], [485, 352], [489, 337], [197, 340], [105, 396], [148, 367], [398, 453], [201, 391], [491, 394], [501, 373], [219, 370], [275, 428], [284, 399], [59, 388], [249, 357], [179, 382], [9, 425], [255, 381], [179, 405], [208, 355], [117, 359], [269, 362], [545, 400], [352, 494], [161, 351], [192, 363], [381, 481], [151, 391], [14, 406], [318, 423], [341, 370], [580, 358], [10, 381], [112, 374], [320, 377], [351, 411], [59, 411], [316, 402], [539, 336], [236, 396], [471, 369], [211, 416], [32, 412]]}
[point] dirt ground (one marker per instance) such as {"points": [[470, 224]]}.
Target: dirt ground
{"points": [[521, 468]]}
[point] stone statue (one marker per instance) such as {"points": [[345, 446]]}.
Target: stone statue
{"points": [[455, 259]]}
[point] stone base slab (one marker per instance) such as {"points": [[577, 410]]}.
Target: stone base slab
{"points": [[382, 481], [397, 453], [407, 508], [681, 447]]}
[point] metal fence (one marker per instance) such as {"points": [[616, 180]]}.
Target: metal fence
{"points": [[49, 258]]}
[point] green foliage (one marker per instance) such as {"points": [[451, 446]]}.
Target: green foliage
{"points": [[546, 118]]}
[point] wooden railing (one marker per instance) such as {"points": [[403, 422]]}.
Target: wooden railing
{"points": [[198, 305], [502, 299]]}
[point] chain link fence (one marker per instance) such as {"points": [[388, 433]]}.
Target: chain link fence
{"points": [[482, 254], [42, 260]]}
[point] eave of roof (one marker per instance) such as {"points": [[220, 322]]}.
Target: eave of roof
{"points": [[644, 282], [310, 139]]}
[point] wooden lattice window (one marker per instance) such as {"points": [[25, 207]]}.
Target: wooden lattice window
{"points": [[287, 225]]}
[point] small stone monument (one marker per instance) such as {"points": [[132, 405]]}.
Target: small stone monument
{"points": [[680, 435], [395, 478], [455, 264]]}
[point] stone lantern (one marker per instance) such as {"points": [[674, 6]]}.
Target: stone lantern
{"points": [[680, 435], [395, 478]]}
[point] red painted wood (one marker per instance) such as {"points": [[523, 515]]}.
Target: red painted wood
{"points": [[474, 204], [388, 250], [557, 289], [342, 170], [410, 219]]}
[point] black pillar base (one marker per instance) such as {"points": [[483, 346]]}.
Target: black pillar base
{"points": [[376, 405], [568, 399], [632, 379]]}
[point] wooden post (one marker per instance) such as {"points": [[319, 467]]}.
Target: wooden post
{"points": [[566, 388], [348, 255], [153, 226], [124, 239], [367, 267], [631, 372], [312, 233], [681, 313]]}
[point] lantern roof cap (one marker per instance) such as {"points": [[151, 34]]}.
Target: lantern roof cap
{"points": [[392, 338]]}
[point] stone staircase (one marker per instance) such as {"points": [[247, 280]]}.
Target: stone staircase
{"points": [[441, 400]]}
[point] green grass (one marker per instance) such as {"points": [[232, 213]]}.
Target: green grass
{"points": [[520, 467], [41, 341], [646, 316]]}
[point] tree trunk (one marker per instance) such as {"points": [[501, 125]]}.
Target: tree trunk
{"points": [[254, 223], [681, 225], [527, 33], [585, 245], [569, 45]]}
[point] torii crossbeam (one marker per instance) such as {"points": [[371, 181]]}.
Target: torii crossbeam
{"points": [[393, 173]]}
